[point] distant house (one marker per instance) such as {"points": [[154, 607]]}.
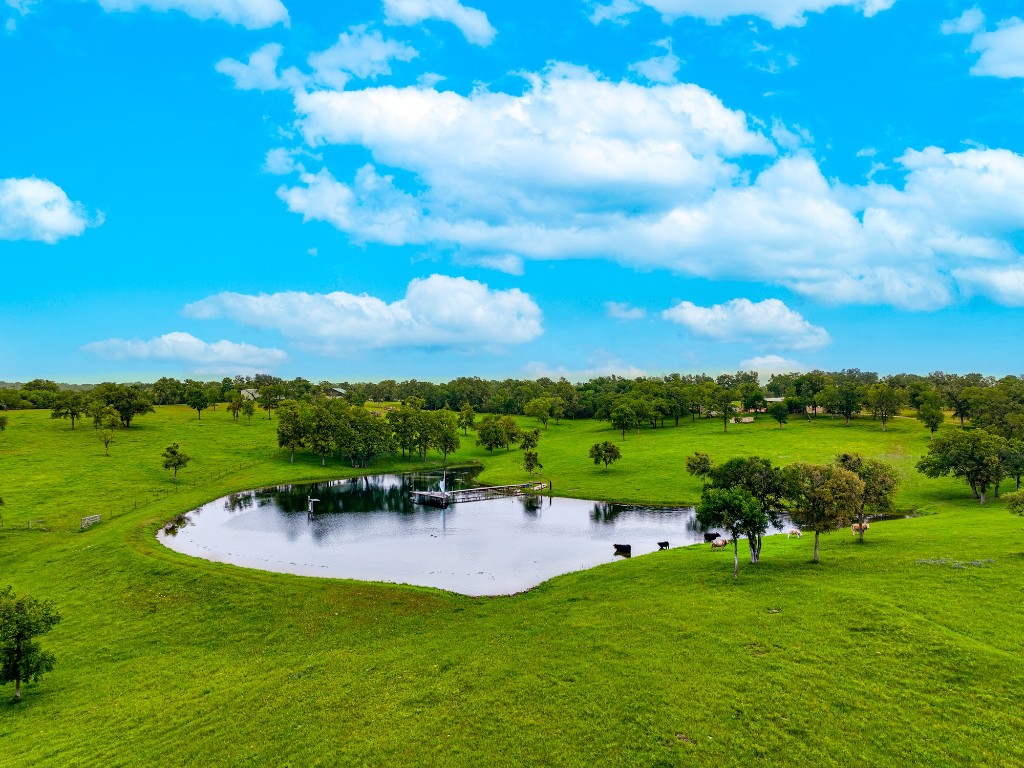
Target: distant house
{"points": [[775, 399], [333, 393], [250, 394]]}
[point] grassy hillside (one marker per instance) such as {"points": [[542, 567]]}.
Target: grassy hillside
{"points": [[653, 465], [903, 650]]}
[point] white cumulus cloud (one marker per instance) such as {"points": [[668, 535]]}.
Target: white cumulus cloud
{"points": [[358, 53], [472, 22], [187, 350], [966, 23], [436, 311], [259, 73], [659, 69], [37, 209], [570, 137], [579, 166], [781, 13], [1003, 284], [768, 323], [768, 364], [1001, 51], [251, 14]]}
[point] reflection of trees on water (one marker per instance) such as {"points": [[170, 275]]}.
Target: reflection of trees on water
{"points": [[236, 502], [368, 493], [181, 521], [604, 512], [692, 526], [532, 504]]}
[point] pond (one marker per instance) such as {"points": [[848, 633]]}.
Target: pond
{"points": [[367, 528]]}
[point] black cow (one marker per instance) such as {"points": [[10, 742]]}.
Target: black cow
{"points": [[662, 545], [709, 537], [623, 550]]}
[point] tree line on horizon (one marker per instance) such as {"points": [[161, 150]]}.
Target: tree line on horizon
{"points": [[847, 393], [996, 405]]}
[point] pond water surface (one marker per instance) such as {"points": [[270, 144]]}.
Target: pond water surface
{"points": [[367, 528]]}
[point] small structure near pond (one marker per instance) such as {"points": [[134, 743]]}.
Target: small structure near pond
{"points": [[446, 498]]}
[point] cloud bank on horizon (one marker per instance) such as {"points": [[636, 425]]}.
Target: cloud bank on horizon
{"points": [[735, 223]]}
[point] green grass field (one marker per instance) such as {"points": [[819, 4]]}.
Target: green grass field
{"points": [[905, 650]]}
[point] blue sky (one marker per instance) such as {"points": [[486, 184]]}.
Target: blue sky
{"points": [[433, 188]]}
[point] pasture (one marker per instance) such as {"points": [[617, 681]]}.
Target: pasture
{"points": [[903, 650]]}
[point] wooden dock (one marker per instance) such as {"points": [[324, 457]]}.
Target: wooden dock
{"points": [[446, 498]]}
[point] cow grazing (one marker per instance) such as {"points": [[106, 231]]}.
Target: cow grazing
{"points": [[857, 528], [623, 550], [662, 545], [719, 543], [794, 532], [711, 536]]}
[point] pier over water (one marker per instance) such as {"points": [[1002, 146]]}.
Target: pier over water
{"points": [[447, 498]]}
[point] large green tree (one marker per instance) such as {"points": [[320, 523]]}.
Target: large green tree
{"points": [[540, 408], [106, 422], [248, 408], [197, 397], [530, 439], [972, 455], [952, 386], [765, 483], [22, 619], [234, 398], [69, 404], [175, 459], [510, 431], [320, 425], [885, 401], [129, 401], [822, 497], [270, 395], [364, 436], [531, 462], [849, 396], [722, 402], [881, 482], [929, 411], [1012, 458], [289, 427], [403, 423], [699, 465], [490, 434], [736, 511], [605, 453], [779, 412], [167, 391], [623, 417], [467, 417], [444, 432]]}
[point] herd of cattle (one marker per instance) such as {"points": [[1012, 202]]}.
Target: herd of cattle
{"points": [[717, 541]]}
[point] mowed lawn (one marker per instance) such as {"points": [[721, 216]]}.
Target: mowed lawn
{"points": [[905, 650]]}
